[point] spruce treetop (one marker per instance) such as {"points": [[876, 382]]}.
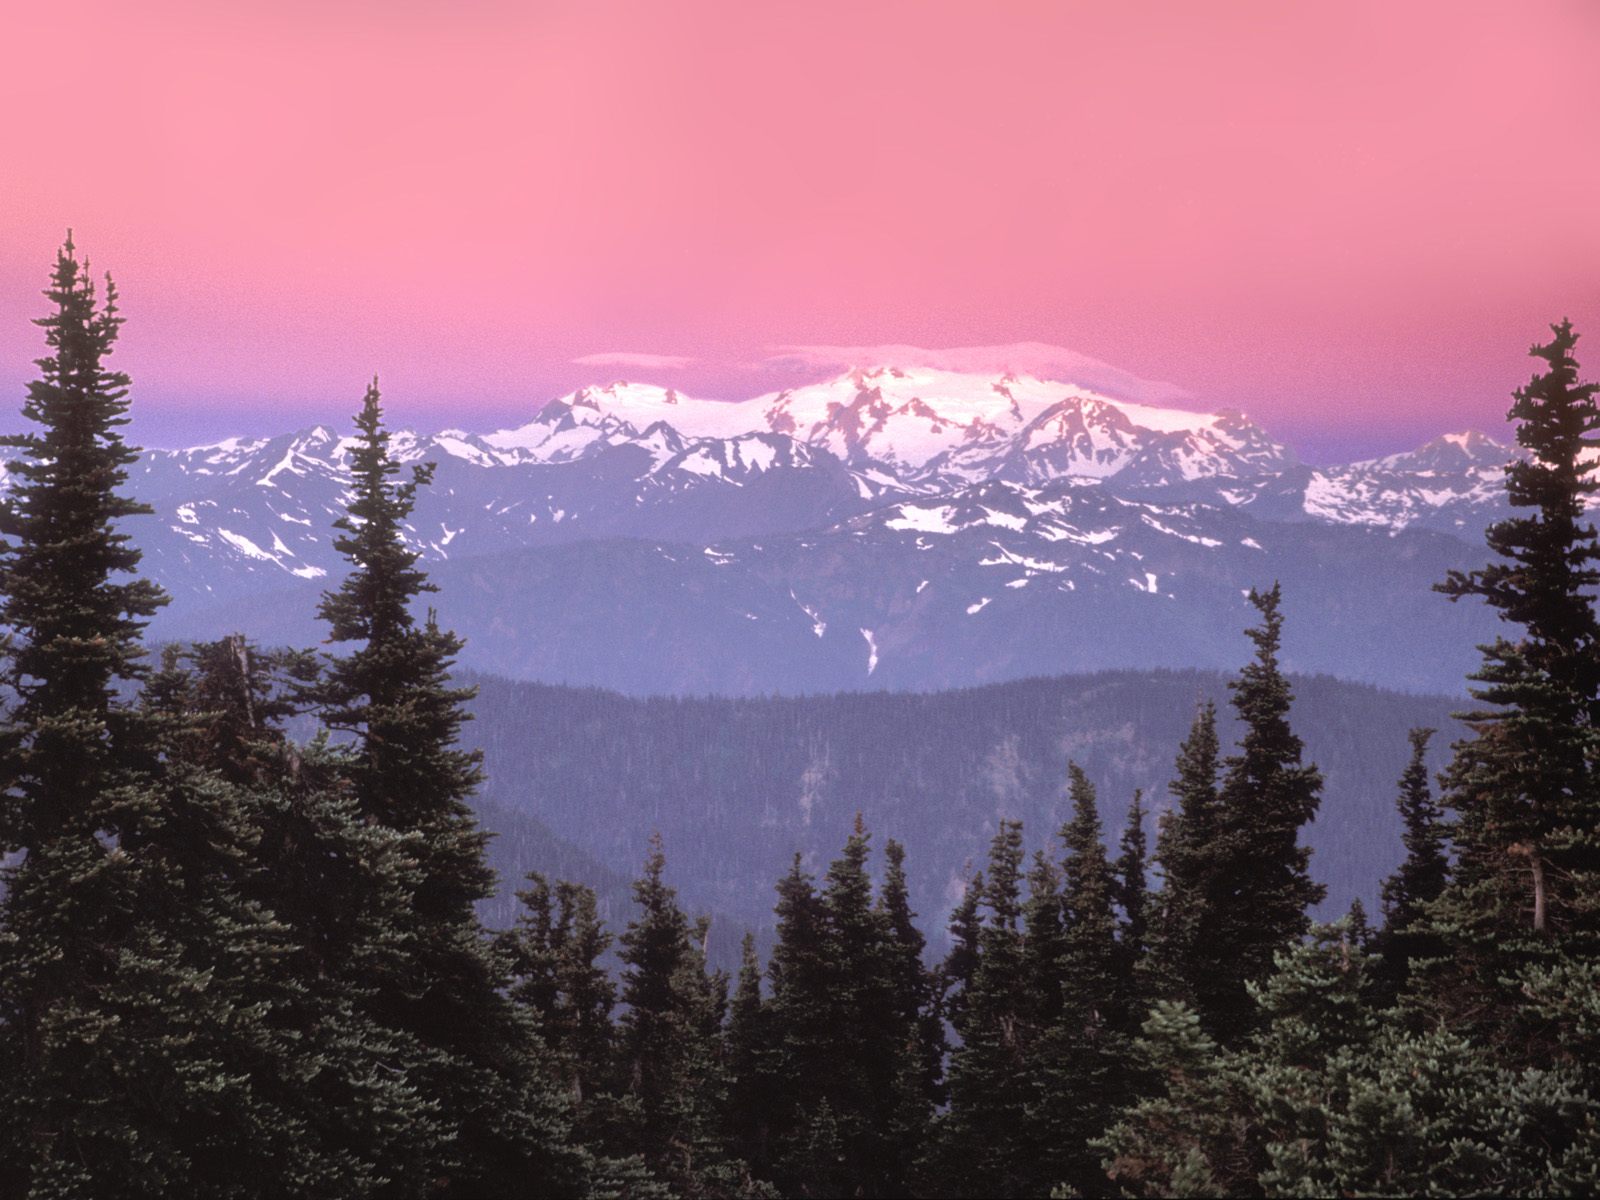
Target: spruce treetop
{"points": [[1546, 579], [76, 631]]}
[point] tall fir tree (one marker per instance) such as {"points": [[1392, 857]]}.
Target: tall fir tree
{"points": [[1525, 895], [1179, 959], [144, 1049], [1043, 941], [487, 1069], [800, 1016], [672, 1074], [73, 602], [848, 1018], [1261, 890], [749, 1042], [1082, 1065], [1133, 934], [1420, 879], [1089, 956], [954, 976], [914, 1027], [984, 1139], [859, 1069], [336, 887], [554, 953]]}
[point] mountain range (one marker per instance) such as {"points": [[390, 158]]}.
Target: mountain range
{"points": [[900, 528]]}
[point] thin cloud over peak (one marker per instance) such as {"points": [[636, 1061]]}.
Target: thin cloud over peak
{"points": [[1022, 358], [627, 358]]}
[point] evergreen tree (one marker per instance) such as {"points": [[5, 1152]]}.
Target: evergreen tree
{"points": [[1334, 1096], [749, 1041], [954, 979], [156, 1036], [1133, 899], [800, 1020], [1261, 890], [1179, 960], [864, 1055], [1043, 942], [1083, 1063], [1526, 889], [671, 1075], [554, 953], [583, 1030], [915, 1031], [72, 601], [848, 1017], [1089, 957], [486, 1069], [1360, 929], [985, 1136], [1194, 1135], [83, 966], [1420, 879], [337, 888]]}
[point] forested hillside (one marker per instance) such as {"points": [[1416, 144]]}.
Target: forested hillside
{"points": [[736, 787]]}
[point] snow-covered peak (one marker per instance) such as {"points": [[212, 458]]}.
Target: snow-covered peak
{"points": [[1461, 451], [909, 419], [927, 418], [642, 405]]}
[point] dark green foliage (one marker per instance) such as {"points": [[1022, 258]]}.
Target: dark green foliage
{"points": [[913, 1040], [554, 955], [749, 1048], [1334, 1096], [800, 1017], [854, 1029], [1419, 881], [1178, 962], [1544, 578], [1088, 956], [338, 888], [985, 1136], [932, 770], [961, 963], [1194, 1135], [73, 611], [671, 1073], [1082, 1062], [869, 1034], [1526, 889], [1133, 899], [1261, 891], [486, 1067], [392, 690], [1043, 941], [138, 982]]}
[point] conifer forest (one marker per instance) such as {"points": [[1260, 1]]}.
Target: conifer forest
{"points": [[244, 950]]}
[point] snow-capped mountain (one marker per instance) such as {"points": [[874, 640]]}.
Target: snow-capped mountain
{"points": [[920, 426], [1450, 483], [926, 517]]}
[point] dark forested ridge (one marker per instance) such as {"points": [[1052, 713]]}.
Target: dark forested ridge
{"points": [[738, 786], [242, 964]]}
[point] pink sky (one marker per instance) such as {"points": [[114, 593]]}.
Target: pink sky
{"points": [[1349, 220]]}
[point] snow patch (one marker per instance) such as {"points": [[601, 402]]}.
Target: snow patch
{"points": [[923, 520], [872, 650], [244, 545]]}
